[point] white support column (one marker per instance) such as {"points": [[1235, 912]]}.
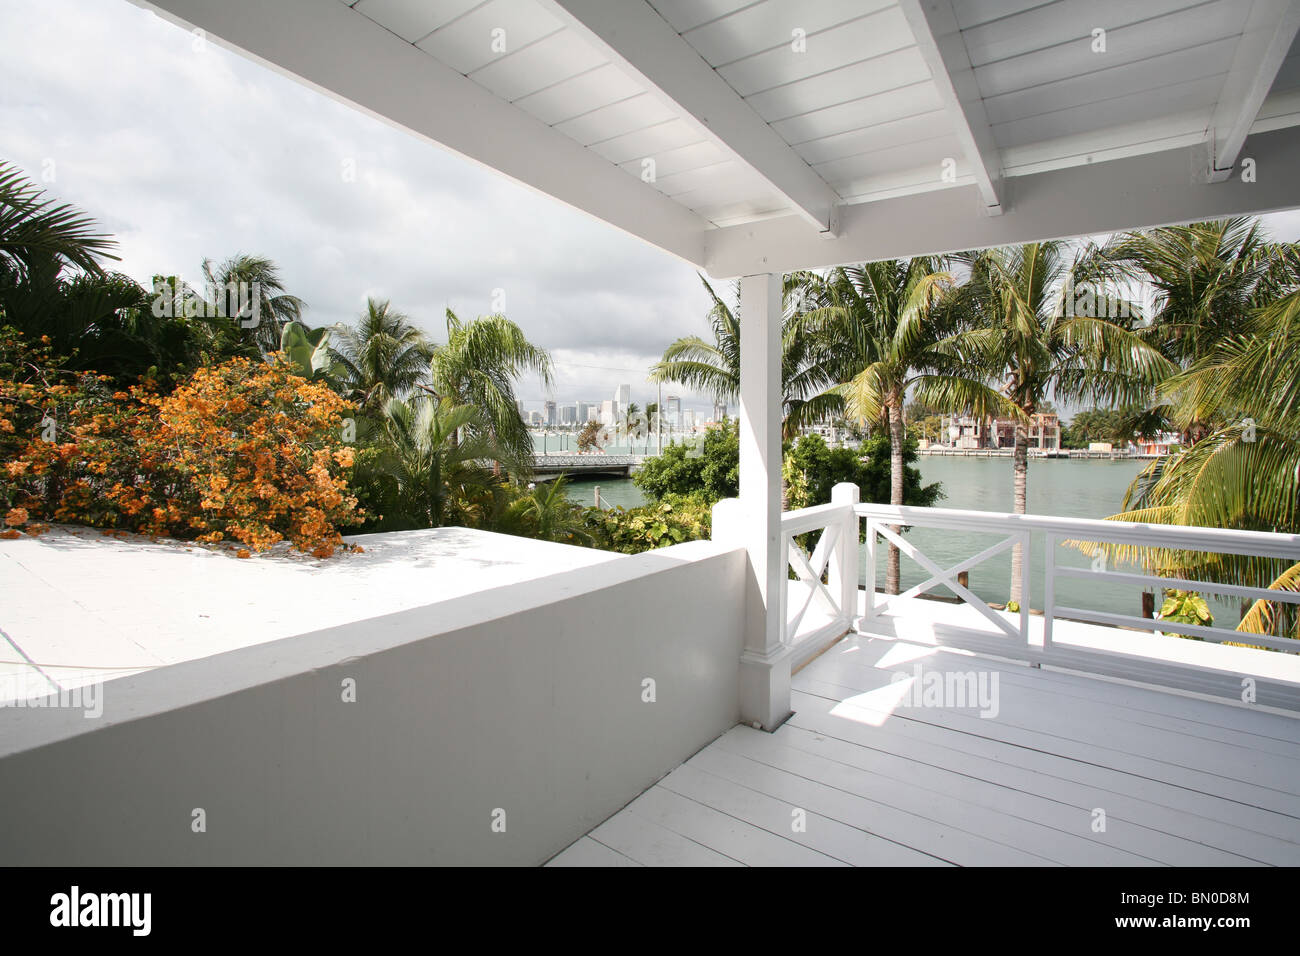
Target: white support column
{"points": [[765, 663]]}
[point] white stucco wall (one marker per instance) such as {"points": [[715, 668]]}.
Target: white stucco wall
{"points": [[526, 697]]}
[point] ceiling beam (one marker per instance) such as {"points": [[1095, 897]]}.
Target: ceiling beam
{"points": [[343, 54], [1267, 37], [939, 41], [1153, 189], [635, 36]]}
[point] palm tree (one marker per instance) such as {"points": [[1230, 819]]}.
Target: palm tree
{"points": [[714, 367], [887, 319], [631, 423], [432, 477], [34, 229], [52, 284], [651, 422], [478, 365], [1023, 335], [384, 357], [1246, 473], [1204, 279], [250, 288], [546, 513]]}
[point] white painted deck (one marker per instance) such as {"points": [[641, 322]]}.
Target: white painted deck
{"points": [[1181, 780]]}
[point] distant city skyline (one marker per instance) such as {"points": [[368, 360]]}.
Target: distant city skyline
{"points": [[701, 411]]}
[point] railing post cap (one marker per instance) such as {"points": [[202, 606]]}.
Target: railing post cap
{"points": [[846, 492]]}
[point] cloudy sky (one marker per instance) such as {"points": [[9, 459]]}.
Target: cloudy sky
{"points": [[185, 151]]}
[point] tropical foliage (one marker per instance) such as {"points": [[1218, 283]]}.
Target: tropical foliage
{"points": [[1023, 336], [427, 468], [669, 520], [478, 366], [249, 290], [1245, 472], [383, 357], [711, 470], [888, 320], [713, 367], [221, 414], [812, 468], [245, 452]]}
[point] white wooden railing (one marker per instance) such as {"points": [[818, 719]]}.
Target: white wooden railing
{"points": [[822, 602], [1040, 534]]}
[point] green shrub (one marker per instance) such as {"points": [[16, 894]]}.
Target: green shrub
{"points": [[711, 471], [673, 519]]}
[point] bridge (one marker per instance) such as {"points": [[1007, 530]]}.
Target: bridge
{"points": [[586, 466]]}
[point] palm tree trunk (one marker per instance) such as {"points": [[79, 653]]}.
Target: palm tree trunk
{"points": [[892, 571], [1020, 484]]}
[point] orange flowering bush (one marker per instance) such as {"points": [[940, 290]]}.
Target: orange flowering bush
{"points": [[246, 451]]}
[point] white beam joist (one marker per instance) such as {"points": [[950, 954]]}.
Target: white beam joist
{"points": [[1270, 29], [635, 36], [939, 41], [341, 53], [1149, 190]]}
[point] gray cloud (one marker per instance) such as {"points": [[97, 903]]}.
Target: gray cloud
{"points": [[186, 150]]}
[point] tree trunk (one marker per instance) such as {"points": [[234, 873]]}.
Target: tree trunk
{"points": [[892, 571], [1020, 481]]}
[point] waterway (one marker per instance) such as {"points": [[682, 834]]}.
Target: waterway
{"points": [[1065, 487]]}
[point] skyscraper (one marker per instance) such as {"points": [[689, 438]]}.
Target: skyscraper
{"points": [[673, 411], [622, 398], [548, 413]]}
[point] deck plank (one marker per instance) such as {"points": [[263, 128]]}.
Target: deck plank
{"points": [[1011, 826], [1160, 707], [891, 823], [650, 844], [587, 852], [1181, 760], [1124, 797], [1040, 705], [1182, 780], [1069, 816], [723, 832], [913, 735], [831, 837]]}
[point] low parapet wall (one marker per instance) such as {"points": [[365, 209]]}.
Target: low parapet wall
{"points": [[494, 728]]}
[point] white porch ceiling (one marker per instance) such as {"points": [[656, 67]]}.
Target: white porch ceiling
{"points": [[755, 143]]}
